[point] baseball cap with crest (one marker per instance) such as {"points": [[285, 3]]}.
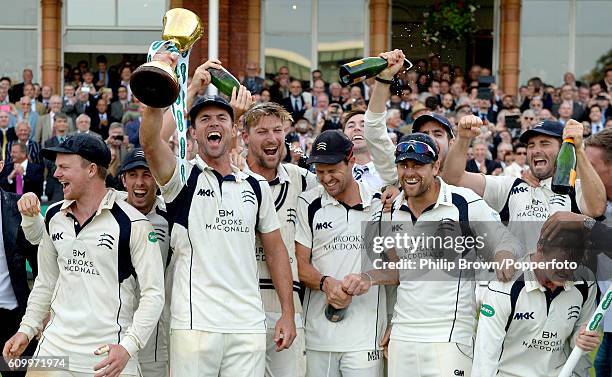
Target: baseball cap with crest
{"points": [[330, 147]]}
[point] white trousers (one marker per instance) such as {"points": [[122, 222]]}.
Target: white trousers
{"points": [[344, 364], [196, 353], [286, 363], [417, 359]]}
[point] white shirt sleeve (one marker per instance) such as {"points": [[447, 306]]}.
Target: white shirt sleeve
{"points": [[578, 189], [381, 147], [486, 223], [173, 187], [311, 180], [303, 234], [268, 220], [496, 190], [494, 314], [33, 228], [39, 302], [147, 261]]}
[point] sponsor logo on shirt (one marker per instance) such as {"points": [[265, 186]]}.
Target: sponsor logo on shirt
{"points": [[573, 312], [206, 192], [152, 237], [523, 316], [106, 240], [487, 310], [459, 372], [373, 355], [323, 225], [57, 236], [518, 189]]}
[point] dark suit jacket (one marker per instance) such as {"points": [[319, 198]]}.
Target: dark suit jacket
{"points": [[32, 181], [33, 152], [16, 92], [490, 164], [95, 123], [287, 103], [53, 190], [10, 136], [577, 111], [17, 249]]}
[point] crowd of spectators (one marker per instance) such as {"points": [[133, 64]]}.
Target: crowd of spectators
{"points": [[99, 101]]}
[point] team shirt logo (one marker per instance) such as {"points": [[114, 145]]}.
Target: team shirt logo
{"points": [[322, 146], [152, 237], [573, 312], [106, 240], [487, 310], [249, 197]]}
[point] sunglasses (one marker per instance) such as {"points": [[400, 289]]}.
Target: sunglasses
{"points": [[415, 146]]}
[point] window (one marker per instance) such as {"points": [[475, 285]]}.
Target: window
{"points": [[338, 37], [19, 28]]}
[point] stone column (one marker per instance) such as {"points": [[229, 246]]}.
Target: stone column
{"points": [[379, 26], [51, 11], [510, 45]]}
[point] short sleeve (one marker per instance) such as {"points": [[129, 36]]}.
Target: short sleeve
{"points": [[303, 234], [173, 187], [268, 220], [496, 190]]}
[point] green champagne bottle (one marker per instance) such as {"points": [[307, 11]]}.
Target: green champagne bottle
{"points": [[359, 70], [224, 81], [333, 314], [564, 178]]}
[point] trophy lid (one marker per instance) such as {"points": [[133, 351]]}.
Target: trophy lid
{"points": [[183, 27]]}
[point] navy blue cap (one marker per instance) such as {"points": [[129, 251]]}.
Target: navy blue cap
{"points": [[404, 152], [205, 101], [330, 147], [433, 117], [134, 159], [91, 148], [548, 127]]}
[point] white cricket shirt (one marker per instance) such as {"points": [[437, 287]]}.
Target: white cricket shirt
{"points": [[216, 287], [333, 232]]}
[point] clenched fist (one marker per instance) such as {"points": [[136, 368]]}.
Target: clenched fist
{"points": [[469, 127]]}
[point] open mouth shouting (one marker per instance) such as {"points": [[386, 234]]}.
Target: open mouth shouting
{"points": [[270, 150], [214, 138], [140, 193]]}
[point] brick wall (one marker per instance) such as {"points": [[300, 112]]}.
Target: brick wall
{"points": [[233, 34]]}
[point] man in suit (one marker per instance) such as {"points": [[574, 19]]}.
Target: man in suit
{"points": [[7, 134], [120, 107], [132, 128], [24, 132], [44, 128], [14, 290], [17, 91], [22, 175], [480, 163], [53, 190], [101, 118], [83, 125], [37, 106], [296, 102], [567, 96], [252, 81]]}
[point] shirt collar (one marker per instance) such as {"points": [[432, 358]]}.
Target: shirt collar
{"points": [[365, 192], [546, 183], [281, 174], [107, 202], [204, 166], [445, 196]]}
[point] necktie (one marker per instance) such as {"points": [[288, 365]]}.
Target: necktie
{"points": [[19, 184], [359, 171], [296, 104]]}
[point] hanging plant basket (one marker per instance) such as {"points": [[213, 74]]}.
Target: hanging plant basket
{"points": [[449, 21]]}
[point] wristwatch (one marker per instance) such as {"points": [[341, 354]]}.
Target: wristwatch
{"points": [[589, 223]]}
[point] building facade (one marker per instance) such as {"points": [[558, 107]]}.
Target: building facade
{"points": [[518, 39]]}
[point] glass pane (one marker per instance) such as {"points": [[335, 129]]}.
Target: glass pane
{"points": [[288, 38], [23, 47], [100, 39], [90, 13], [24, 12], [340, 34], [141, 12]]}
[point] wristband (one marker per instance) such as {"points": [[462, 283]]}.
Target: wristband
{"points": [[384, 81], [321, 282]]}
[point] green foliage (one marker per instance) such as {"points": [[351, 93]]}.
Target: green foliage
{"points": [[449, 21], [597, 73]]}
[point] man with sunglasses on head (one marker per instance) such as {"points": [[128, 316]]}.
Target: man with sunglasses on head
{"points": [[433, 320], [329, 247], [527, 325], [379, 143]]}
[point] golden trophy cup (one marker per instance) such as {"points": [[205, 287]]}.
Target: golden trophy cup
{"points": [[155, 83]]}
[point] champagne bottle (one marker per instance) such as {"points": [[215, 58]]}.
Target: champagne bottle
{"points": [[359, 70], [565, 170], [333, 314], [223, 80]]}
